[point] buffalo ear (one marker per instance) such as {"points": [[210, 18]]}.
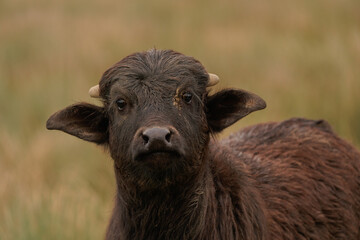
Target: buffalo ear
{"points": [[83, 120], [228, 106]]}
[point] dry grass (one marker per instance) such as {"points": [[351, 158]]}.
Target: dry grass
{"points": [[302, 57]]}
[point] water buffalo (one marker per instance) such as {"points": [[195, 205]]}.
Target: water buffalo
{"points": [[290, 180]]}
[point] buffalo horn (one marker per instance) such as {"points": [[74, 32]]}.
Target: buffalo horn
{"points": [[213, 79], [94, 91]]}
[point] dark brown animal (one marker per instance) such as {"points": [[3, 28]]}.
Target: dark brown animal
{"points": [[290, 180]]}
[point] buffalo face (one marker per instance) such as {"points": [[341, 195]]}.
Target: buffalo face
{"points": [[156, 116]]}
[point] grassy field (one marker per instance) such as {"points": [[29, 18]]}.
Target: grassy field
{"points": [[302, 57]]}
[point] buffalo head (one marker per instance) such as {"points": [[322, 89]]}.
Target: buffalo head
{"points": [[156, 117]]}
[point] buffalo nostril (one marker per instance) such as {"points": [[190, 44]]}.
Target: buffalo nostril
{"points": [[145, 138], [168, 137]]}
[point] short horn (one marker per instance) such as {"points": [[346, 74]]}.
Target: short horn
{"points": [[213, 80], [94, 91]]}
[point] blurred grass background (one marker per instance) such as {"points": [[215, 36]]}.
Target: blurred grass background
{"points": [[302, 57]]}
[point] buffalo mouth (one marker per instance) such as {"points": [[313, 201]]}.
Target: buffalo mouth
{"points": [[158, 156]]}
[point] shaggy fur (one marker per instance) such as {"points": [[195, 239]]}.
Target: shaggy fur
{"points": [[290, 180], [308, 178]]}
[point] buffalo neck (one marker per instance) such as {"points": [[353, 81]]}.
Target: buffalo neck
{"points": [[207, 206], [175, 212]]}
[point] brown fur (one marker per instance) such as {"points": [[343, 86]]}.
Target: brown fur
{"points": [[290, 180], [308, 178]]}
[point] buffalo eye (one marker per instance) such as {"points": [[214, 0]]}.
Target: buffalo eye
{"points": [[187, 97], [121, 103]]}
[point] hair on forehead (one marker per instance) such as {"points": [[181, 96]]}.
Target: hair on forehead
{"points": [[151, 63]]}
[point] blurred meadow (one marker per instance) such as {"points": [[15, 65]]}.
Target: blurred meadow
{"points": [[302, 57]]}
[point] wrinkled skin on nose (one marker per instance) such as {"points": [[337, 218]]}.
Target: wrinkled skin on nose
{"points": [[157, 145], [156, 138]]}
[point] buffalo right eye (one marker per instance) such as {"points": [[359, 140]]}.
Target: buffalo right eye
{"points": [[187, 97], [121, 103]]}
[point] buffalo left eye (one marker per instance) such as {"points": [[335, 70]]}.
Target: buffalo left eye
{"points": [[121, 103], [187, 97]]}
